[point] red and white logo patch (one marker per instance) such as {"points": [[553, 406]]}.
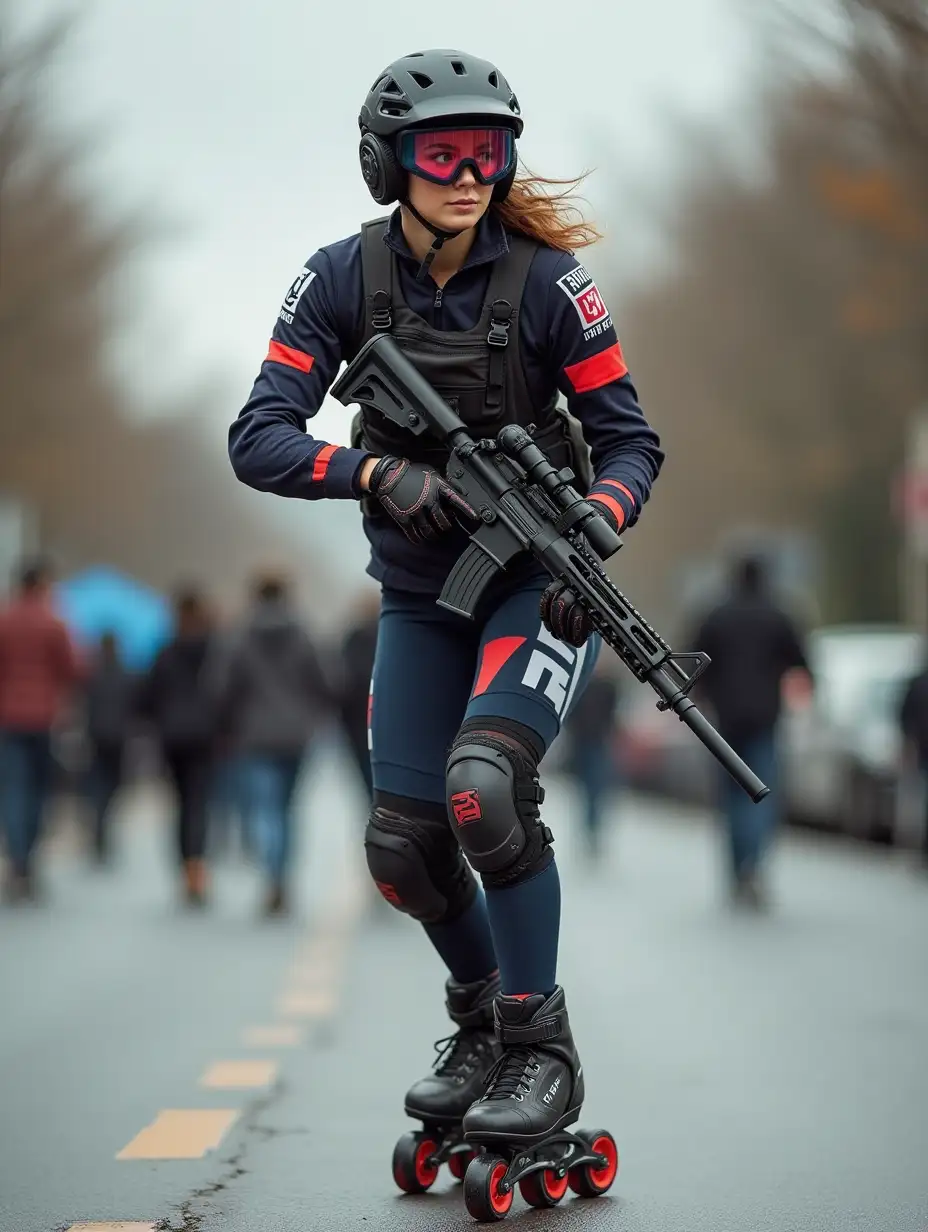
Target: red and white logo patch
{"points": [[583, 293], [466, 806]]}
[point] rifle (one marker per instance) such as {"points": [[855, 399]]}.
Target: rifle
{"points": [[525, 505]]}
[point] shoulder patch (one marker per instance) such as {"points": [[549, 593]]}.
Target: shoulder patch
{"points": [[583, 293], [292, 298]]}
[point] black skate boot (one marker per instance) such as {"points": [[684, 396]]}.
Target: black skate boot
{"points": [[534, 1091], [440, 1099]]}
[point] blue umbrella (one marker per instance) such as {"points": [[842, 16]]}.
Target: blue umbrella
{"points": [[102, 600]]}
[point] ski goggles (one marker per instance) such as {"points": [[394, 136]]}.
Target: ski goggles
{"points": [[441, 154]]}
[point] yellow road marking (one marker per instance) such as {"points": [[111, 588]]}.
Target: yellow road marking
{"points": [[288, 1036], [307, 1004], [111, 1227], [234, 1075], [181, 1133]]}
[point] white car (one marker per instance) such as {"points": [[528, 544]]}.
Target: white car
{"points": [[841, 752]]}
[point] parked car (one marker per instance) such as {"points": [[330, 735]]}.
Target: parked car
{"points": [[841, 750], [657, 753]]}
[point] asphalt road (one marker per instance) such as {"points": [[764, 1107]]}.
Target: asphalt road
{"points": [[759, 1074]]}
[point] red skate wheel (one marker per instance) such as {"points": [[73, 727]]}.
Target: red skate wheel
{"points": [[413, 1167], [587, 1180], [457, 1164], [543, 1188], [484, 1199]]}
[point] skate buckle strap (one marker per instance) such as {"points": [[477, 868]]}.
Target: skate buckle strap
{"points": [[535, 1032]]}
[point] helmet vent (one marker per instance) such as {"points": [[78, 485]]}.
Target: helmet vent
{"points": [[390, 87], [394, 107], [493, 79], [421, 79], [459, 68]]}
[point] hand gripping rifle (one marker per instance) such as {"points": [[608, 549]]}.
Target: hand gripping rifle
{"points": [[525, 505]]}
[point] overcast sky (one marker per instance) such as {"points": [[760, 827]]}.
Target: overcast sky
{"points": [[238, 122]]}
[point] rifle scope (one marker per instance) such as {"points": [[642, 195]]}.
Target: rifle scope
{"points": [[516, 443]]}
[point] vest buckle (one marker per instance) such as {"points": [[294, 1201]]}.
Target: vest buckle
{"points": [[382, 311], [500, 321]]}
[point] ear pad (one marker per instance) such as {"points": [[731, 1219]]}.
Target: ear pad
{"points": [[382, 174]]}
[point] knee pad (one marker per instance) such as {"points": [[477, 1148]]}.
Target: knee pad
{"points": [[417, 865], [493, 797]]}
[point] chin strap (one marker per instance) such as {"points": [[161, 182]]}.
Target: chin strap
{"points": [[440, 237]]}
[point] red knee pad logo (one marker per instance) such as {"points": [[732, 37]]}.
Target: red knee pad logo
{"points": [[466, 806], [389, 893]]}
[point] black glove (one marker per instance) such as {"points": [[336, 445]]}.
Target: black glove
{"points": [[417, 498], [563, 616], [561, 611]]}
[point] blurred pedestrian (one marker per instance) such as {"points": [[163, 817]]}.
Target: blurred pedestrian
{"points": [[591, 729], [110, 711], [39, 668], [356, 666], [272, 696], [176, 699], [753, 644], [913, 720]]}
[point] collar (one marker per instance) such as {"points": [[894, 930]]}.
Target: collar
{"points": [[490, 243]]}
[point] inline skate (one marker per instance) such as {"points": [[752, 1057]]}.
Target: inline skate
{"points": [[440, 1100], [519, 1126]]}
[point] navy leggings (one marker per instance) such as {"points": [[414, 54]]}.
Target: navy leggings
{"points": [[433, 670]]}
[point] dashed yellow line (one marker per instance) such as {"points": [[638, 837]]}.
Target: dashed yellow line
{"points": [[111, 1227], [318, 1004], [238, 1075], [181, 1133], [312, 993], [288, 1035]]}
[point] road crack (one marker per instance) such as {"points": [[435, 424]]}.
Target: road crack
{"points": [[191, 1213]]}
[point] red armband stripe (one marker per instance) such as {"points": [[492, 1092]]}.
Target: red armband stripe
{"points": [[614, 483], [277, 353], [611, 503], [321, 462], [598, 370]]}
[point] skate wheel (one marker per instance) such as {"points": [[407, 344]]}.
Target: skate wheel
{"points": [[543, 1188], [458, 1163], [482, 1195], [413, 1168], [588, 1181]]}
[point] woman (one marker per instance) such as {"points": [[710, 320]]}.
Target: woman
{"points": [[474, 276]]}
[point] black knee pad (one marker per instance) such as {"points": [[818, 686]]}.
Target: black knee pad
{"points": [[493, 797], [417, 864]]}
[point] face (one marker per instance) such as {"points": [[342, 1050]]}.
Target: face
{"points": [[451, 207]]}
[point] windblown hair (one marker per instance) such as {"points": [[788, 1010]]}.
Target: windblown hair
{"points": [[551, 218]]}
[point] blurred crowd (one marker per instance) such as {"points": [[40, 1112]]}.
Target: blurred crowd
{"points": [[227, 712]]}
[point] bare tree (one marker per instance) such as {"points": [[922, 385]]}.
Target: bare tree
{"points": [[158, 500], [785, 352]]}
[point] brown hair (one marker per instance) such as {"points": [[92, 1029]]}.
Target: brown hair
{"points": [[550, 218]]}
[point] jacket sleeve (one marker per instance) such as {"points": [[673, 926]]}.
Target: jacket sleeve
{"points": [[590, 371], [268, 444]]}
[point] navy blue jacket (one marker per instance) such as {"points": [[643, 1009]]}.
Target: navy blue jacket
{"points": [[567, 341]]}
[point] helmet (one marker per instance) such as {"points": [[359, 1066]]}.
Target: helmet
{"points": [[423, 89]]}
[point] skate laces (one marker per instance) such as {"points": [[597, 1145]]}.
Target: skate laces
{"points": [[456, 1052], [509, 1075]]}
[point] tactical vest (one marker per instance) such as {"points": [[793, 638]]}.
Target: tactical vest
{"points": [[477, 371]]}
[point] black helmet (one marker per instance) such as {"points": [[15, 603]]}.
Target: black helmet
{"points": [[430, 86]]}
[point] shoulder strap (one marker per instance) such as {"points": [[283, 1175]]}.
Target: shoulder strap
{"points": [[504, 299], [377, 271]]}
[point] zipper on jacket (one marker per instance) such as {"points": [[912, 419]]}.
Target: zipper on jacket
{"points": [[437, 303]]}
